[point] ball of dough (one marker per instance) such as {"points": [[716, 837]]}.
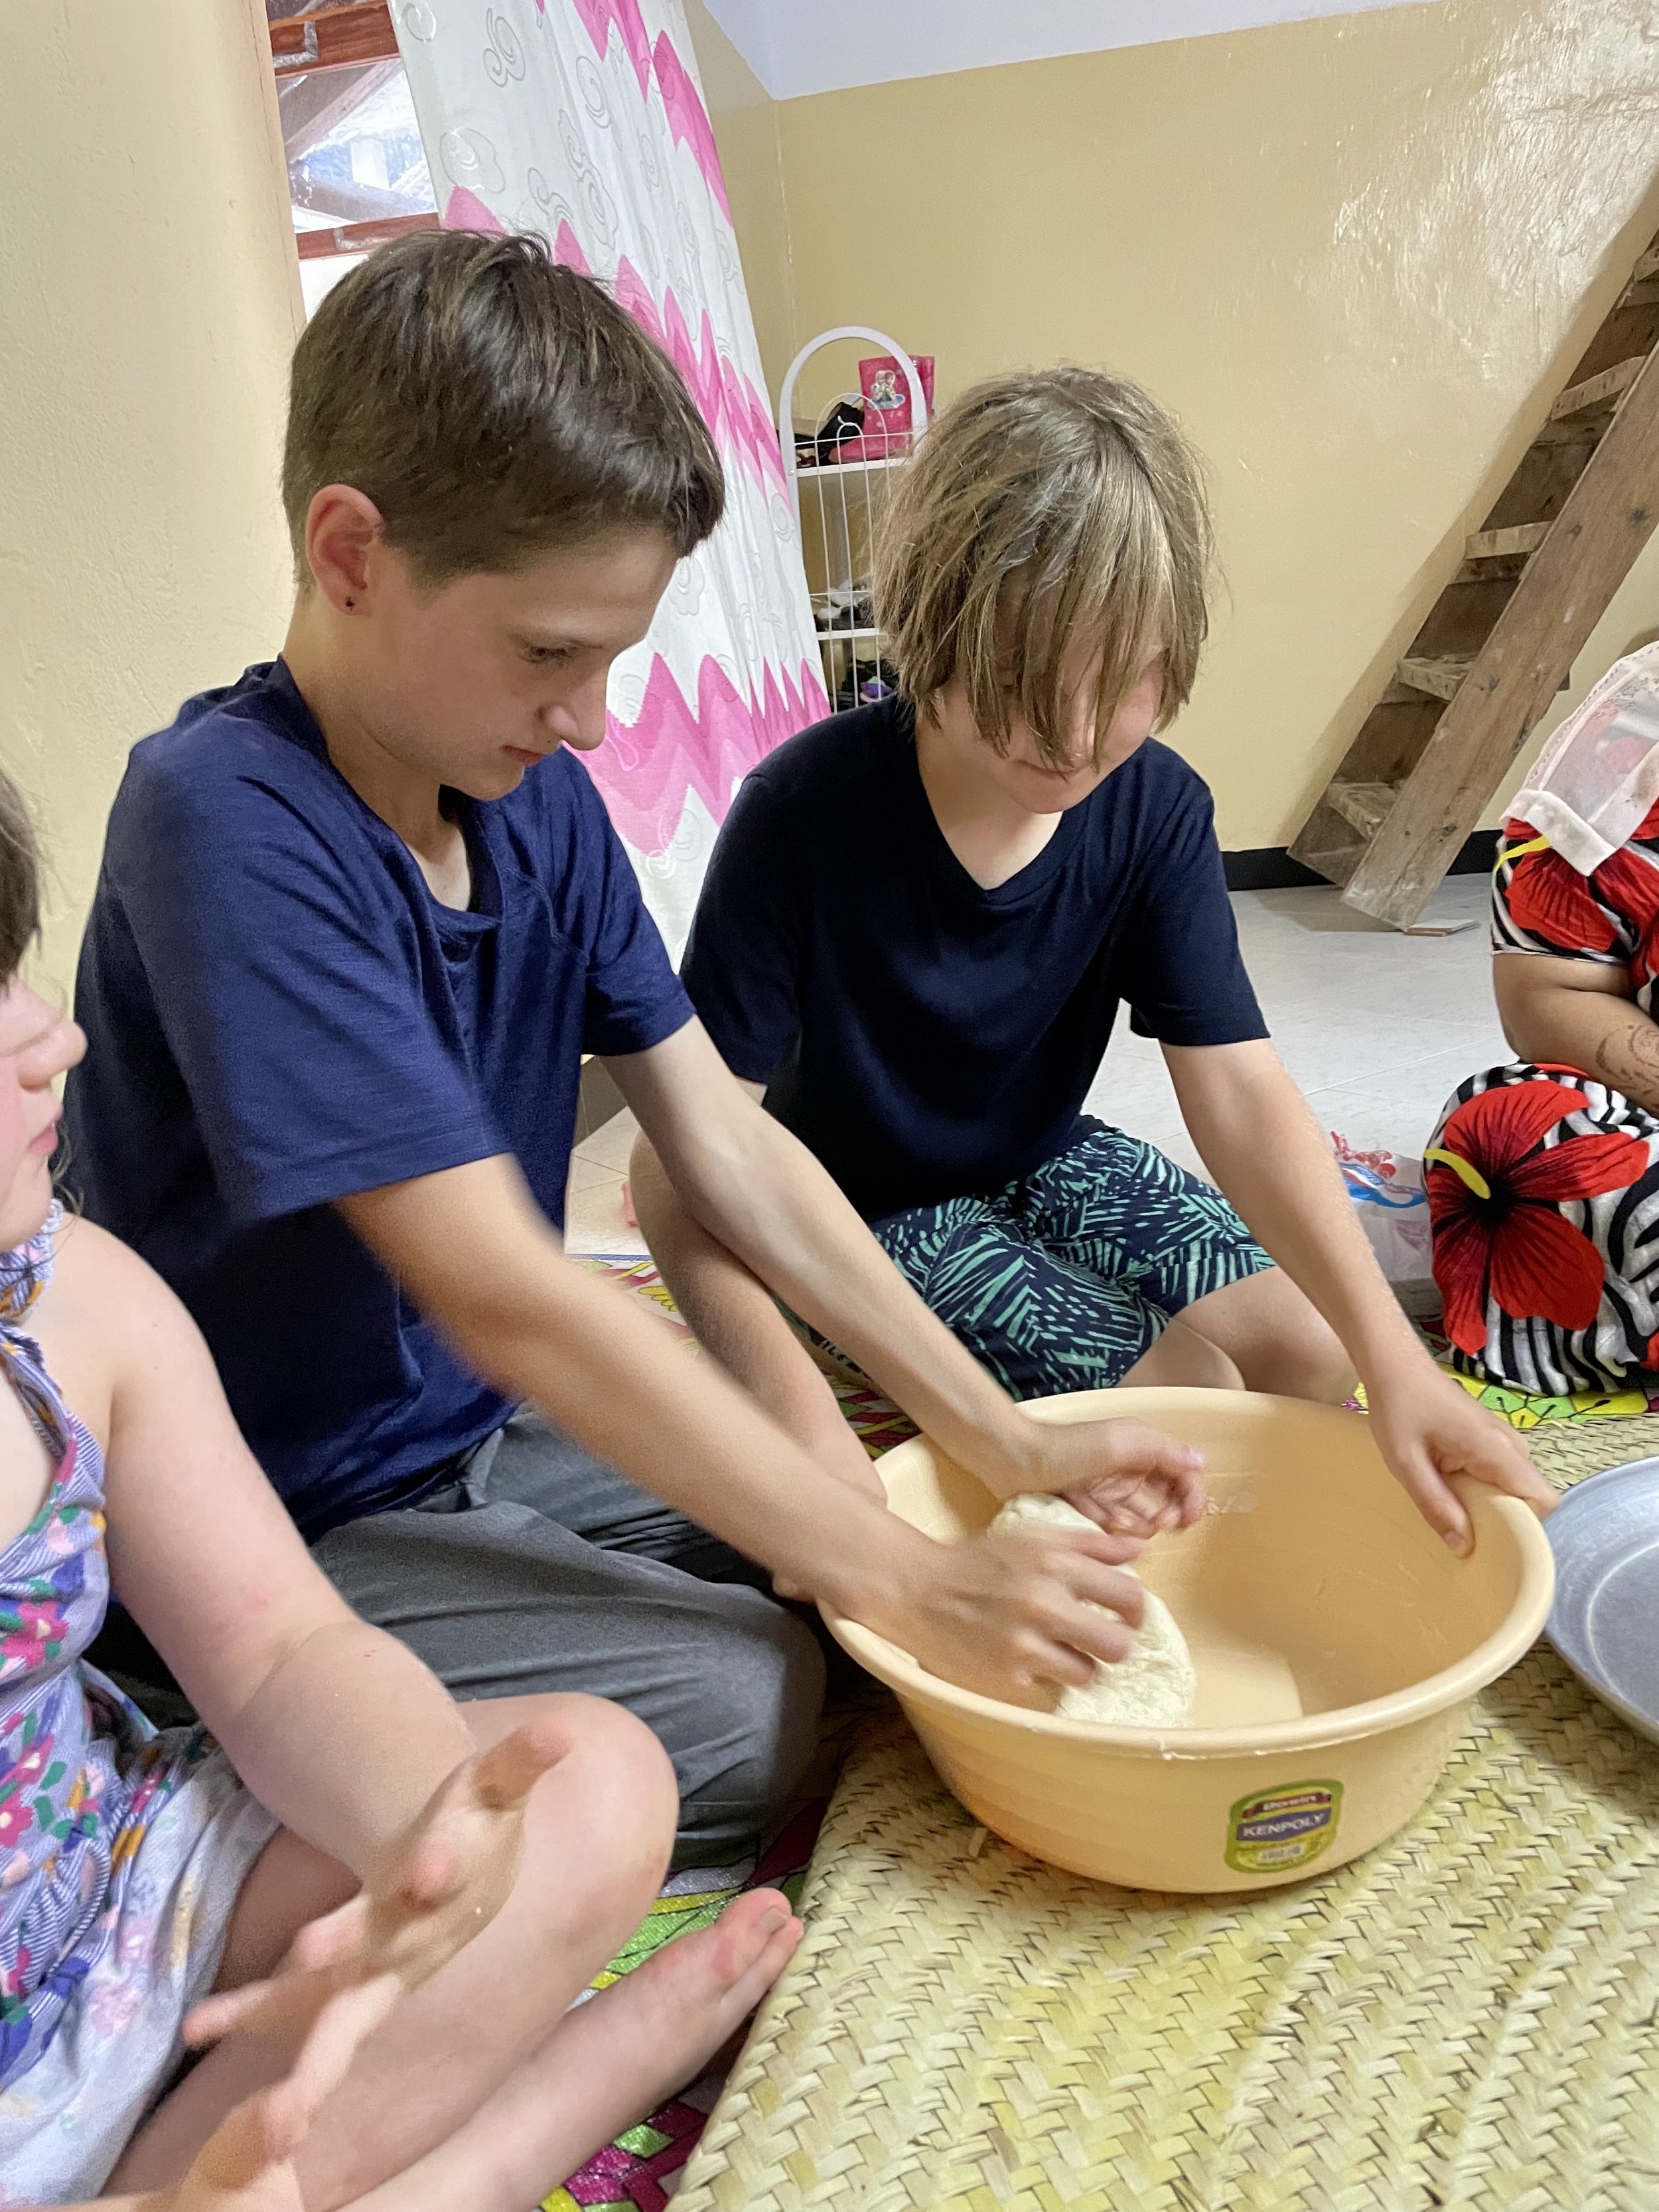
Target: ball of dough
{"points": [[1156, 1684]]}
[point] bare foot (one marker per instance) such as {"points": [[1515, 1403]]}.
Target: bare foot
{"points": [[684, 2004], [618, 2055]]}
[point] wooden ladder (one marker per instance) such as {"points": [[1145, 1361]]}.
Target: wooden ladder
{"points": [[1499, 642]]}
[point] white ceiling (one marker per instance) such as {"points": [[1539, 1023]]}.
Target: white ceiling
{"points": [[797, 46]]}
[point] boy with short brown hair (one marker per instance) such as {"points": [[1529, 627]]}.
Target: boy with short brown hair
{"points": [[360, 915], [922, 916]]}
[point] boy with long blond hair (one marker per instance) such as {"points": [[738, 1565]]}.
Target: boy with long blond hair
{"points": [[922, 919]]}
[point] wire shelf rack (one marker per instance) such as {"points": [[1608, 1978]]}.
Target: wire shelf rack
{"points": [[841, 471]]}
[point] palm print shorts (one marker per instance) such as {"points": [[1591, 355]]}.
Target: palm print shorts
{"points": [[1060, 1281]]}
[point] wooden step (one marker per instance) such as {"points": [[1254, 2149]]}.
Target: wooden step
{"points": [[1364, 804], [1440, 673], [1608, 517], [1597, 391], [1493, 570], [1520, 538], [1448, 724], [1586, 430]]}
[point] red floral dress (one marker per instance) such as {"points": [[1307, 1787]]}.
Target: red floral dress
{"points": [[1543, 1183]]}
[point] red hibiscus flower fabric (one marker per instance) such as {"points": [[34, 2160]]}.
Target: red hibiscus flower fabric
{"points": [[1544, 1200], [1549, 901], [1542, 1187], [1541, 904], [1494, 1186]]}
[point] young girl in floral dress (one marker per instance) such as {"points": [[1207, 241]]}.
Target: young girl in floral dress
{"points": [[333, 1883]]}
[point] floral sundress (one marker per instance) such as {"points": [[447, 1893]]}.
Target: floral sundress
{"points": [[122, 1849], [1543, 1180]]}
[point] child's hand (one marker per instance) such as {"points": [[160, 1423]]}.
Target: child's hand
{"points": [[246, 2165], [1130, 1479], [1428, 1427], [1013, 1616], [447, 1880], [346, 1972]]}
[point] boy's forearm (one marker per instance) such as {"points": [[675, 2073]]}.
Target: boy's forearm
{"points": [[601, 1366], [779, 1212], [735, 1319], [471, 1249], [1257, 1135]]}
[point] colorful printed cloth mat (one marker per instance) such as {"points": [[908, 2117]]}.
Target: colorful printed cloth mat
{"points": [[1522, 1410], [637, 2173]]}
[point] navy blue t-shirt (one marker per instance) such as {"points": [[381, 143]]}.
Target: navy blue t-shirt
{"points": [[924, 1037], [279, 1014]]}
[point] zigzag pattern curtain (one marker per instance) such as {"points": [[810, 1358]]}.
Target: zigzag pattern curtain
{"points": [[583, 120]]}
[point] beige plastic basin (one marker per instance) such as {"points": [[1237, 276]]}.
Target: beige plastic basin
{"points": [[1337, 1643]]}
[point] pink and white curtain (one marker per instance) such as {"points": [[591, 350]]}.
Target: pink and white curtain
{"points": [[584, 120]]}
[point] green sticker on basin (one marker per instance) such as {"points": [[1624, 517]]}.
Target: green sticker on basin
{"points": [[1273, 1830]]}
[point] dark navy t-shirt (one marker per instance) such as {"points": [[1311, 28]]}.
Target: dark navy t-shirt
{"points": [[924, 1037], [279, 1014]]}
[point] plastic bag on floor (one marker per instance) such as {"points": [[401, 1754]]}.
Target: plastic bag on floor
{"points": [[1392, 1207]]}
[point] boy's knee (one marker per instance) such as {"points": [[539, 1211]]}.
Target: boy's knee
{"points": [[1277, 1339], [1302, 1355], [758, 1703], [1320, 1367]]}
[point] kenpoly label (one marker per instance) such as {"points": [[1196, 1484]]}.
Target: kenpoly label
{"points": [[1274, 1829]]}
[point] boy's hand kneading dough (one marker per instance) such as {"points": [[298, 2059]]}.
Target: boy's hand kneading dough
{"points": [[1155, 1686]]}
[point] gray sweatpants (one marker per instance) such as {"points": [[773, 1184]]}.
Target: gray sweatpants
{"points": [[543, 1569]]}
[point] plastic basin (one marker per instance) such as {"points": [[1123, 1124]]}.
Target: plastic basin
{"points": [[1337, 1641]]}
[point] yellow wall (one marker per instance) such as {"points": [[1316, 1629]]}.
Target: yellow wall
{"points": [[1355, 255], [151, 301], [746, 123]]}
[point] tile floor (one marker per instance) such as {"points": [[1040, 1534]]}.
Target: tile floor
{"points": [[1377, 1028], [593, 1219]]}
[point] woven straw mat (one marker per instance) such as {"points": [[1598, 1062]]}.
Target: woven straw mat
{"points": [[1463, 2019]]}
